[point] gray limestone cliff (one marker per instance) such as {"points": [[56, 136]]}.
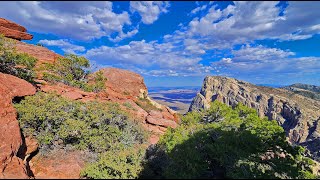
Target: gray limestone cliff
{"points": [[298, 115]]}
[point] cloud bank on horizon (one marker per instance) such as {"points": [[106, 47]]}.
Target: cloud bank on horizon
{"points": [[260, 42]]}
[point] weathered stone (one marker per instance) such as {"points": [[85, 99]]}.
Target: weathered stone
{"points": [[72, 95], [124, 82], [57, 165], [11, 25], [43, 54], [10, 136], [12, 30], [161, 122], [14, 34]]}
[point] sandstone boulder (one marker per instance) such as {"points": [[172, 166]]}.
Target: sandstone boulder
{"points": [[58, 165], [32, 145], [125, 82], [161, 122]]}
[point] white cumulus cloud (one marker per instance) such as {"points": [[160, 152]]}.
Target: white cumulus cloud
{"points": [[63, 44], [81, 20], [149, 10]]}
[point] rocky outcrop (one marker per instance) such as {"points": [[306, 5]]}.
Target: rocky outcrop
{"points": [[12, 30], [123, 82], [43, 54], [298, 115], [127, 89], [11, 163], [58, 165], [124, 86], [67, 91]]}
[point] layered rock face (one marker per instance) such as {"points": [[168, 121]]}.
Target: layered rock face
{"points": [[298, 115], [44, 55], [11, 142], [12, 30], [124, 82], [128, 87]]}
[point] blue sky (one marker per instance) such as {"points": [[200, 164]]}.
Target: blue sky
{"points": [[179, 43]]}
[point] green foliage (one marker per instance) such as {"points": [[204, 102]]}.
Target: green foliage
{"points": [[98, 83], [147, 105], [69, 69], [129, 106], [222, 142], [118, 163], [93, 125], [17, 64], [72, 70], [100, 128], [39, 44]]}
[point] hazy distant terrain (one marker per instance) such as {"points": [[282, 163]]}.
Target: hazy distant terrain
{"points": [[310, 91], [177, 98]]}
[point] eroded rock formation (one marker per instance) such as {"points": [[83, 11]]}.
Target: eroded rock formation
{"points": [[11, 162], [298, 115], [43, 54], [12, 30]]}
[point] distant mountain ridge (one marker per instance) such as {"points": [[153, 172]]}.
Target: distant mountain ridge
{"points": [[310, 91]]}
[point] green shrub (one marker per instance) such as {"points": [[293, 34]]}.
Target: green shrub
{"points": [[100, 128], [222, 142], [147, 105], [118, 163], [97, 84], [73, 70], [14, 63], [93, 125], [39, 44]]}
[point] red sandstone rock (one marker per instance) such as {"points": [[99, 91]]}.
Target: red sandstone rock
{"points": [[161, 122], [44, 55], [10, 137], [31, 145], [154, 129], [14, 34], [156, 114], [57, 165], [15, 169], [153, 139], [124, 82], [72, 95], [68, 91], [12, 30], [11, 25]]}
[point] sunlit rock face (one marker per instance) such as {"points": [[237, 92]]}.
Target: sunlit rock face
{"points": [[298, 115], [12, 30]]}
